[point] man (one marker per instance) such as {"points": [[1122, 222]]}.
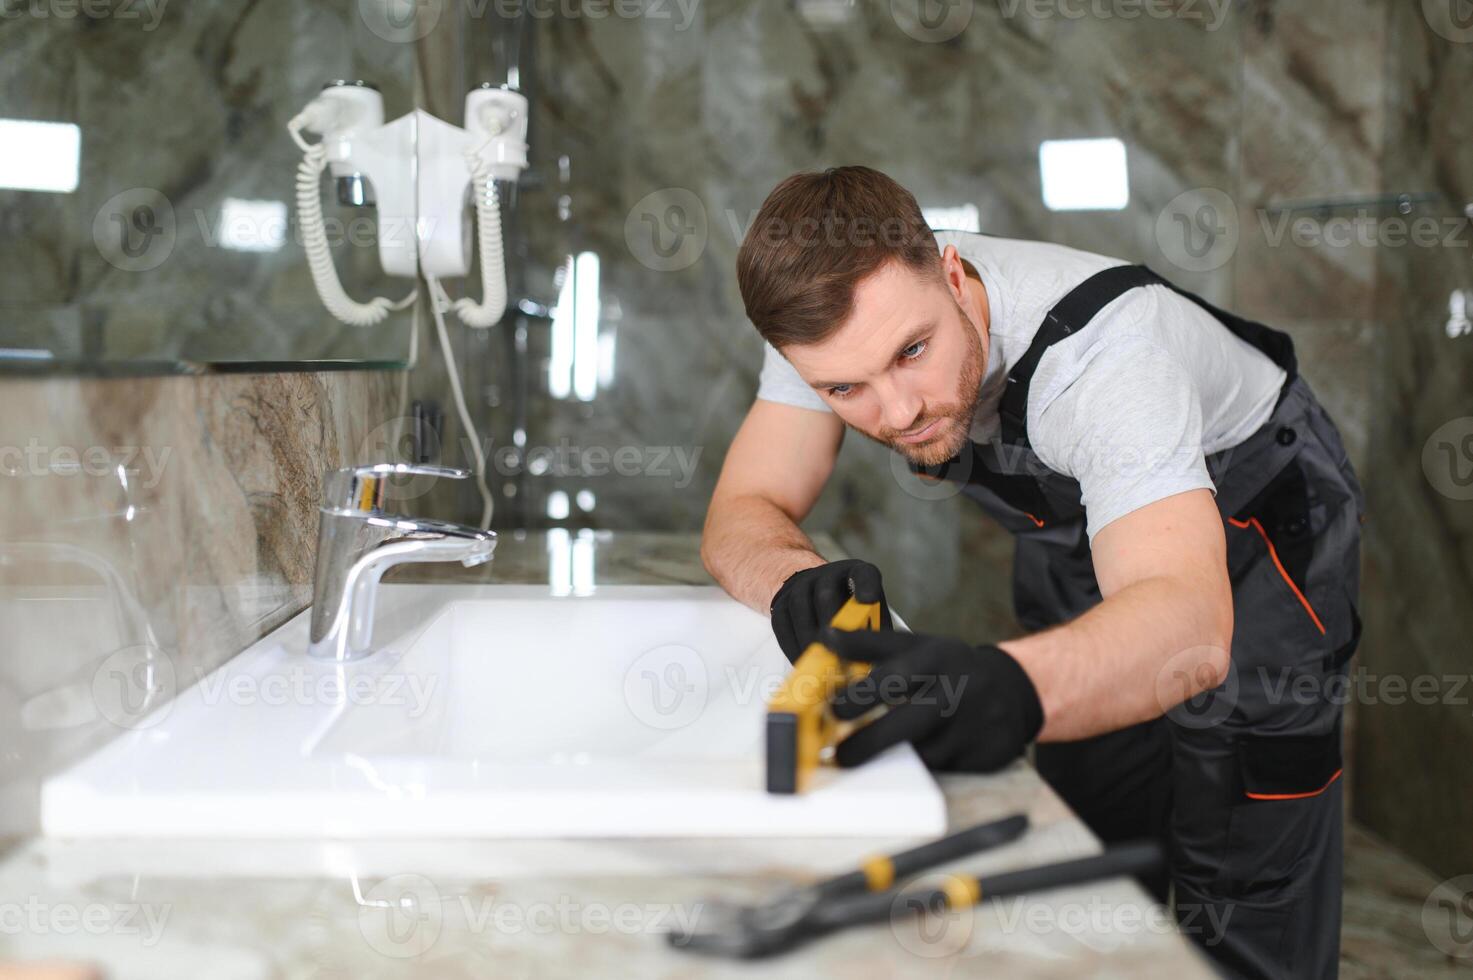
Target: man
{"points": [[1187, 524]]}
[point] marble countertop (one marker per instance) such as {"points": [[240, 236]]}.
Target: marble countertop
{"points": [[479, 908]]}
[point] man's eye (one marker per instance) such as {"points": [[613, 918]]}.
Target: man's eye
{"points": [[841, 391], [914, 351]]}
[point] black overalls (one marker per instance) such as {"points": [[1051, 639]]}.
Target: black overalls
{"points": [[1242, 784]]}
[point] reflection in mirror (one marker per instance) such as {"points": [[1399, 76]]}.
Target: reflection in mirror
{"points": [[147, 186]]}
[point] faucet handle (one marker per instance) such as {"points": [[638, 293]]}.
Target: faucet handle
{"points": [[364, 489]]}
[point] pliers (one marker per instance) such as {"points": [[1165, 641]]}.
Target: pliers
{"points": [[866, 895]]}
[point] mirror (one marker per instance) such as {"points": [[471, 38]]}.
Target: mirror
{"points": [[148, 184]]}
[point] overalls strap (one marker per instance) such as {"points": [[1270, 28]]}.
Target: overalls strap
{"points": [[1081, 304]]}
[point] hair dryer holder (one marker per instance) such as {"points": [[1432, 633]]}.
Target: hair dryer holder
{"points": [[420, 167]]}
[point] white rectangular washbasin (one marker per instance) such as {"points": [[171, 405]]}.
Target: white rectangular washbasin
{"points": [[486, 711]]}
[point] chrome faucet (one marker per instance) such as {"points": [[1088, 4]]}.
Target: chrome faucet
{"points": [[358, 540]]}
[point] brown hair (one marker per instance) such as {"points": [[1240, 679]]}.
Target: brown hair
{"points": [[816, 237]]}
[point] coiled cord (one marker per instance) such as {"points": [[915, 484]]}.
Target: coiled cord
{"points": [[489, 311], [314, 241]]}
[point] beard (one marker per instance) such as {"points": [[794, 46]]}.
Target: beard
{"points": [[955, 417]]}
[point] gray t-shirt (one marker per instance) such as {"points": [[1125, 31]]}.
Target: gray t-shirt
{"points": [[1129, 406]]}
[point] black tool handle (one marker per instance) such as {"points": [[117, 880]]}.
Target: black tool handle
{"points": [[1136, 859], [932, 854]]}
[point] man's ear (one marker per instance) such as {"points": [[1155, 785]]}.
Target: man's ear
{"points": [[954, 272]]}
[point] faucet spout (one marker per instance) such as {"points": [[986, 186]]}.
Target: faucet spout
{"points": [[358, 540]]}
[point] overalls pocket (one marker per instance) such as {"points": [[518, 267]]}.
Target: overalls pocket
{"points": [[1283, 835], [1280, 535], [1274, 825]]}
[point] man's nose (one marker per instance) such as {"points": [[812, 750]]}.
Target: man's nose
{"points": [[900, 408]]}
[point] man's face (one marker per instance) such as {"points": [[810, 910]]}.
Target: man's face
{"points": [[905, 367]]}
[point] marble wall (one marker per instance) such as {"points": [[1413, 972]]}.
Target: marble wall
{"points": [[1416, 729], [150, 529], [180, 241]]}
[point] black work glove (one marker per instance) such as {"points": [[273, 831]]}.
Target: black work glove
{"points": [[809, 599], [964, 708]]}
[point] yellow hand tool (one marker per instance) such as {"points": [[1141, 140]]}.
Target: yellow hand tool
{"points": [[800, 725]]}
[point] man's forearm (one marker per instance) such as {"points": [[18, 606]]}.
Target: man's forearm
{"points": [[1131, 658], [751, 547]]}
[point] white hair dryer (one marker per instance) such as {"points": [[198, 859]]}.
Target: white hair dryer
{"points": [[419, 168]]}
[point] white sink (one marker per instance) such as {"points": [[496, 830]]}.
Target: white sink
{"points": [[487, 711]]}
